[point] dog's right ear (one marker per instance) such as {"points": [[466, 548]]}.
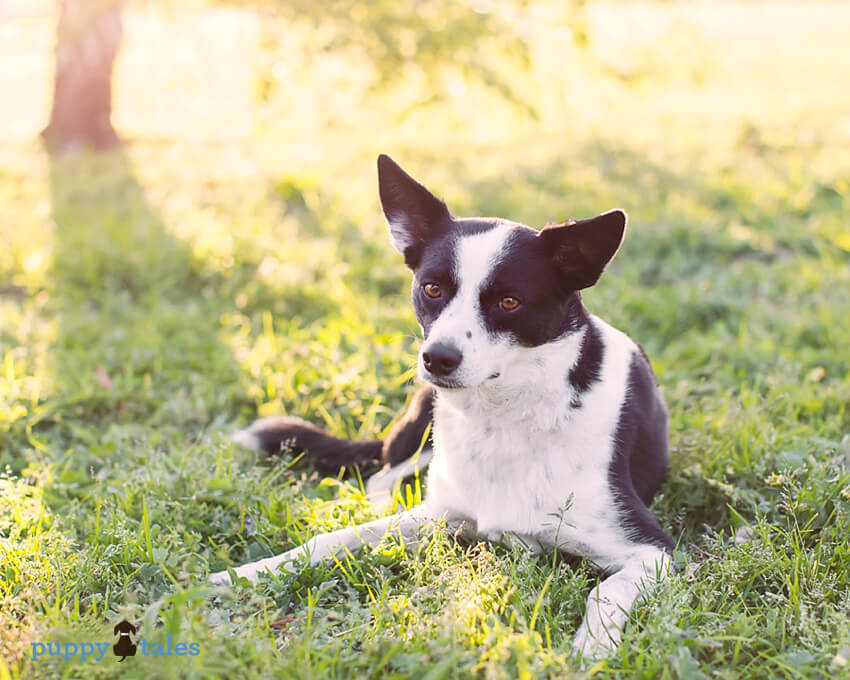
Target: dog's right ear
{"points": [[413, 213]]}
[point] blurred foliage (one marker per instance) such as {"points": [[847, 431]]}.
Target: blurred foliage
{"points": [[438, 43]]}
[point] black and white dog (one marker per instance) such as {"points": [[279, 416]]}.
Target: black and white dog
{"points": [[548, 425]]}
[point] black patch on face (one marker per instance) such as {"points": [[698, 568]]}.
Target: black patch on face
{"points": [[525, 271], [588, 367], [441, 237], [641, 457], [435, 262]]}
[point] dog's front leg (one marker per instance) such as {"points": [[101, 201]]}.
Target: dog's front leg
{"points": [[608, 605], [410, 526]]}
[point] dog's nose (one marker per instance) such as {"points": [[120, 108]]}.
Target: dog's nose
{"points": [[442, 358]]}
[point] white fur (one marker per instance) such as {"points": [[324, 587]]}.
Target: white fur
{"points": [[400, 232], [247, 439]]}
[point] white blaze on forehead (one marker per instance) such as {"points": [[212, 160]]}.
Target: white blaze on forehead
{"points": [[477, 255]]}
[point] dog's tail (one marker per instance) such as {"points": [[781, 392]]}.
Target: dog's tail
{"points": [[329, 453], [326, 452]]}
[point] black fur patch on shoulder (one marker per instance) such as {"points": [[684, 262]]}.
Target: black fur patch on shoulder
{"points": [[646, 359], [588, 367], [641, 457]]}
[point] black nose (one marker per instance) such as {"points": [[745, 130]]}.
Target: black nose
{"points": [[442, 358]]}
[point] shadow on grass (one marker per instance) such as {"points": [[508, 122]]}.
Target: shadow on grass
{"points": [[137, 340]]}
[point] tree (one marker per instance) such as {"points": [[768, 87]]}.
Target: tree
{"points": [[87, 40]]}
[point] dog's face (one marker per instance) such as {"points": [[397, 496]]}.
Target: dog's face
{"points": [[487, 290]]}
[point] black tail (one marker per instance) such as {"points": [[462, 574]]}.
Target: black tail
{"points": [[329, 453]]}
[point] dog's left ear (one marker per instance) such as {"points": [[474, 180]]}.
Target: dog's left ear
{"points": [[413, 213], [581, 250]]}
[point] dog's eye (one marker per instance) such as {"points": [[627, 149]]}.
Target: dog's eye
{"points": [[432, 290], [509, 303]]}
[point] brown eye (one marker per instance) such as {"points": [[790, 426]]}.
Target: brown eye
{"points": [[432, 290], [509, 303]]}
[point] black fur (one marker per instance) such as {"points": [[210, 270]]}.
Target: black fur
{"points": [[406, 435], [641, 456], [582, 250], [588, 368]]}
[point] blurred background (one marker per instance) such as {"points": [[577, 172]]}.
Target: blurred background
{"points": [[190, 236], [302, 95], [226, 150]]}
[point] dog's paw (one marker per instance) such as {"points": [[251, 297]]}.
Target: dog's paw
{"points": [[589, 648], [286, 563], [251, 572], [220, 578]]}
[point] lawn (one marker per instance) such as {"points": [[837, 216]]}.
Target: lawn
{"points": [[231, 260]]}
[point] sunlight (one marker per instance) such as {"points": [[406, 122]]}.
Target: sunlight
{"points": [[208, 247]]}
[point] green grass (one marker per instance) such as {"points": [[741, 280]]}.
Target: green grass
{"points": [[154, 299]]}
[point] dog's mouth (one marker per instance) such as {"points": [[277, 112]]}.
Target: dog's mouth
{"points": [[444, 384]]}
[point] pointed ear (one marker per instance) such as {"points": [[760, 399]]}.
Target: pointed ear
{"points": [[581, 250], [413, 213]]}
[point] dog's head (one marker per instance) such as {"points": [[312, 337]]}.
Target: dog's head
{"points": [[486, 289]]}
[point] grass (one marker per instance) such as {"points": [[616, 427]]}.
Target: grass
{"points": [[156, 298]]}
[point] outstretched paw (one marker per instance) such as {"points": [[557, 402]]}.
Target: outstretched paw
{"points": [[589, 648], [287, 562], [220, 578]]}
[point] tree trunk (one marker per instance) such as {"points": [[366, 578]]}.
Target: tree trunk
{"points": [[88, 38]]}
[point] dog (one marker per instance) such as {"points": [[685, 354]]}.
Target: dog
{"points": [[548, 425]]}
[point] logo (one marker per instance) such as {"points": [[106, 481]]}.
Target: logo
{"points": [[124, 647], [85, 651]]}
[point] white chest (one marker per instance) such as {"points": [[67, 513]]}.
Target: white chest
{"points": [[532, 464]]}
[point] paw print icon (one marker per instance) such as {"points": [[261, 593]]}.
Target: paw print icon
{"points": [[124, 647]]}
